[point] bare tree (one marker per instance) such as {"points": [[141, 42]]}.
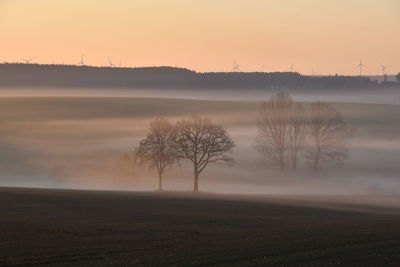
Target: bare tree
{"points": [[202, 142], [273, 129], [158, 149], [296, 132], [327, 131]]}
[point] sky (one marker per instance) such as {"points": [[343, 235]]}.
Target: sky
{"points": [[324, 37]]}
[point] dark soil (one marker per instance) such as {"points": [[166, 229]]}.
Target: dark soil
{"points": [[90, 228]]}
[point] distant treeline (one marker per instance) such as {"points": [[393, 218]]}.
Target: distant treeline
{"points": [[65, 76]]}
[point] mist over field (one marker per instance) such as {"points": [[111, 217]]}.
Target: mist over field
{"points": [[367, 96], [85, 139]]}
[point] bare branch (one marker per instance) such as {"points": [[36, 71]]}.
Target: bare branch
{"points": [[328, 132], [273, 128], [202, 142], [158, 149]]}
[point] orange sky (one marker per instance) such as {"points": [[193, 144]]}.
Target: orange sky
{"points": [[206, 35]]}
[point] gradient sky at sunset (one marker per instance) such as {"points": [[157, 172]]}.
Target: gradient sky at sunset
{"points": [[206, 35]]}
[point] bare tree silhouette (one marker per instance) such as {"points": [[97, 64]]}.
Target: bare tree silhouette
{"points": [[327, 132], [273, 129], [202, 142], [296, 132], [158, 149]]}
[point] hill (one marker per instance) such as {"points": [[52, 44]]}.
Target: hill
{"points": [[150, 229], [14, 75]]}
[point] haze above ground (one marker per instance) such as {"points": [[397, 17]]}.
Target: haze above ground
{"points": [[86, 136]]}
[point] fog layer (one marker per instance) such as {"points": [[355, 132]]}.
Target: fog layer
{"points": [[368, 96], [87, 142]]}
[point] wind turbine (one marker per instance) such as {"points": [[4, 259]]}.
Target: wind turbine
{"points": [[385, 76], [291, 68], [360, 66], [236, 67], [314, 73], [384, 69], [110, 62], [27, 61], [81, 62]]}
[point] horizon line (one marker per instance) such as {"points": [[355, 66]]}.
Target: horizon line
{"points": [[184, 68]]}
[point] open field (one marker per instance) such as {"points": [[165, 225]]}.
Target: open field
{"points": [[348, 215], [92, 228], [83, 137]]}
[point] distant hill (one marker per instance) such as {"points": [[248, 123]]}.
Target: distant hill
{"points": [[67, 76]]}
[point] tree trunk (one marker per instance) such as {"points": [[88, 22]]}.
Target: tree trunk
{"points": [[160, 181], [295, 162], [316, 159], [196, 181], [282, 162]]}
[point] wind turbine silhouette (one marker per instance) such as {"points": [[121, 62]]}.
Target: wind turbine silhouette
{"points": [[360, 66], [384, 69], [385, 76], [110, 62], [236, 67], [27, 61], [314, 73], [81, 62], [291, 68]]}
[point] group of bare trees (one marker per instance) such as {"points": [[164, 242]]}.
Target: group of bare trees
{"points": [[289, 130], [195, 139], [289, 133]]}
